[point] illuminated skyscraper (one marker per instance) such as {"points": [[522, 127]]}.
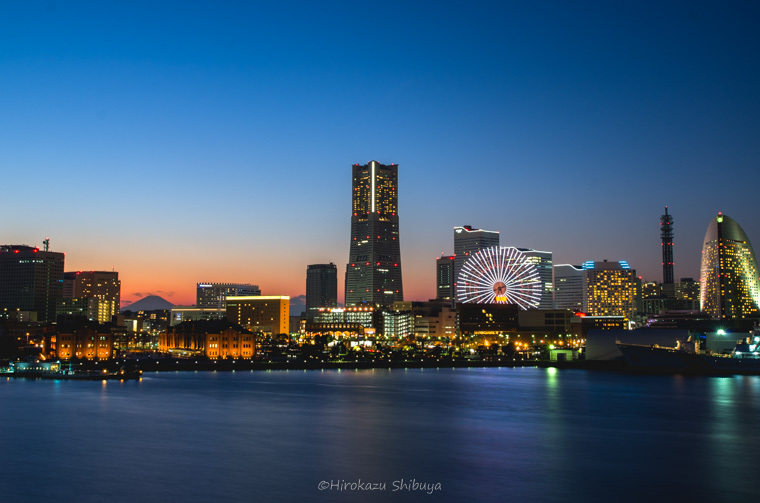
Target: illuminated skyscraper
{"points": [[730, 286], [543, 262], [373, 273], [469, 241], [103, 287], [30, 280], [610, 289]]}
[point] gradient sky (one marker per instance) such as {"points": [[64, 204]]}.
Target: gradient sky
{"points": [[180, 142]]}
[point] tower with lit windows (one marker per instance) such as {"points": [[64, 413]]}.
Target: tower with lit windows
{"points": [[730, 285], [373, 272], [609, 289]]}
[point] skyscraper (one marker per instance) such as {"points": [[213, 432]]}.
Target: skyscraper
{"points": [[444, 278], [30, 280], [568, 287], [321, 287], [543, 262], [103, 287], [666, 234], [373, 273], [469, 241], [730, 286], [609, 289]]}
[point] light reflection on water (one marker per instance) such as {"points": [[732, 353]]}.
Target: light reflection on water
{"points": [[511, 434]]}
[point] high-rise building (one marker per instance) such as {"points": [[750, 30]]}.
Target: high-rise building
{"points": [[30, 280], [321, 287], [666, 234], [687, 293], [568, 287], [444, 278], [543, 262], [469, 241], [373, 273], [730, 286], [609, 289], [213, 295], [102, 286], [269, 314]]}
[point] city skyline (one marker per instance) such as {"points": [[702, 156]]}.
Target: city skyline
{"points": [[216, 145]]}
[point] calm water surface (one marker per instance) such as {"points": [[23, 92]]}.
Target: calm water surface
{"points": [[491, 435]]}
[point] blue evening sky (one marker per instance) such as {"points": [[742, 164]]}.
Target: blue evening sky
{"points": [[212, 141]]}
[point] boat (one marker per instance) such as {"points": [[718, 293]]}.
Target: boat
{"points": [[687, 358], [58, 371]]}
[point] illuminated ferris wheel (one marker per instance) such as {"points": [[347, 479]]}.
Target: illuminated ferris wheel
{"points": [[499, 275]]}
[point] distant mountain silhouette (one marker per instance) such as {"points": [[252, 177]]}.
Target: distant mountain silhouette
{"points": [[149, 303]]}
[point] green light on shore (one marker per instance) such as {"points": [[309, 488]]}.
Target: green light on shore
{"points": [[720, 219]]}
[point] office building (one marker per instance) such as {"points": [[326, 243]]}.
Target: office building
{"points": [[321, 287], [469, 241], [373, 273], [543, 262], [568, 287], [258, 313], [100, 291], [730, 287], [213, 295], [30, 280], [609, 289], [444, 278]]}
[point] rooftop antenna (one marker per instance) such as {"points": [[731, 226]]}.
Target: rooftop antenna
{"points": [[46, 244]]}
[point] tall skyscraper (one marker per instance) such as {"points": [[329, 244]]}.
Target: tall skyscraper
{"points": [[469, 241], [568, 287], [214, 295], [373, 273], [610, 289], [666, 234], [30, 280], [444, 278], [543, 262], [730, 286], [103, 287], [321, 287]]}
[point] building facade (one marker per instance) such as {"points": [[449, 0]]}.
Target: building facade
{"points": [[321, 287], [730, 287], [215, 339], [610, 289], [469, 241], [543, 262], [214, 295], [444, 278], [373, 273], [103, 287], [568, 287], [30, 280], [268, 314]]}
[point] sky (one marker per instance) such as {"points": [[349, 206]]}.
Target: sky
{"points": [[186, 142]]}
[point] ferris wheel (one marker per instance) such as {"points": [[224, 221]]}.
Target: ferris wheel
{"points": [[499, 275]]}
